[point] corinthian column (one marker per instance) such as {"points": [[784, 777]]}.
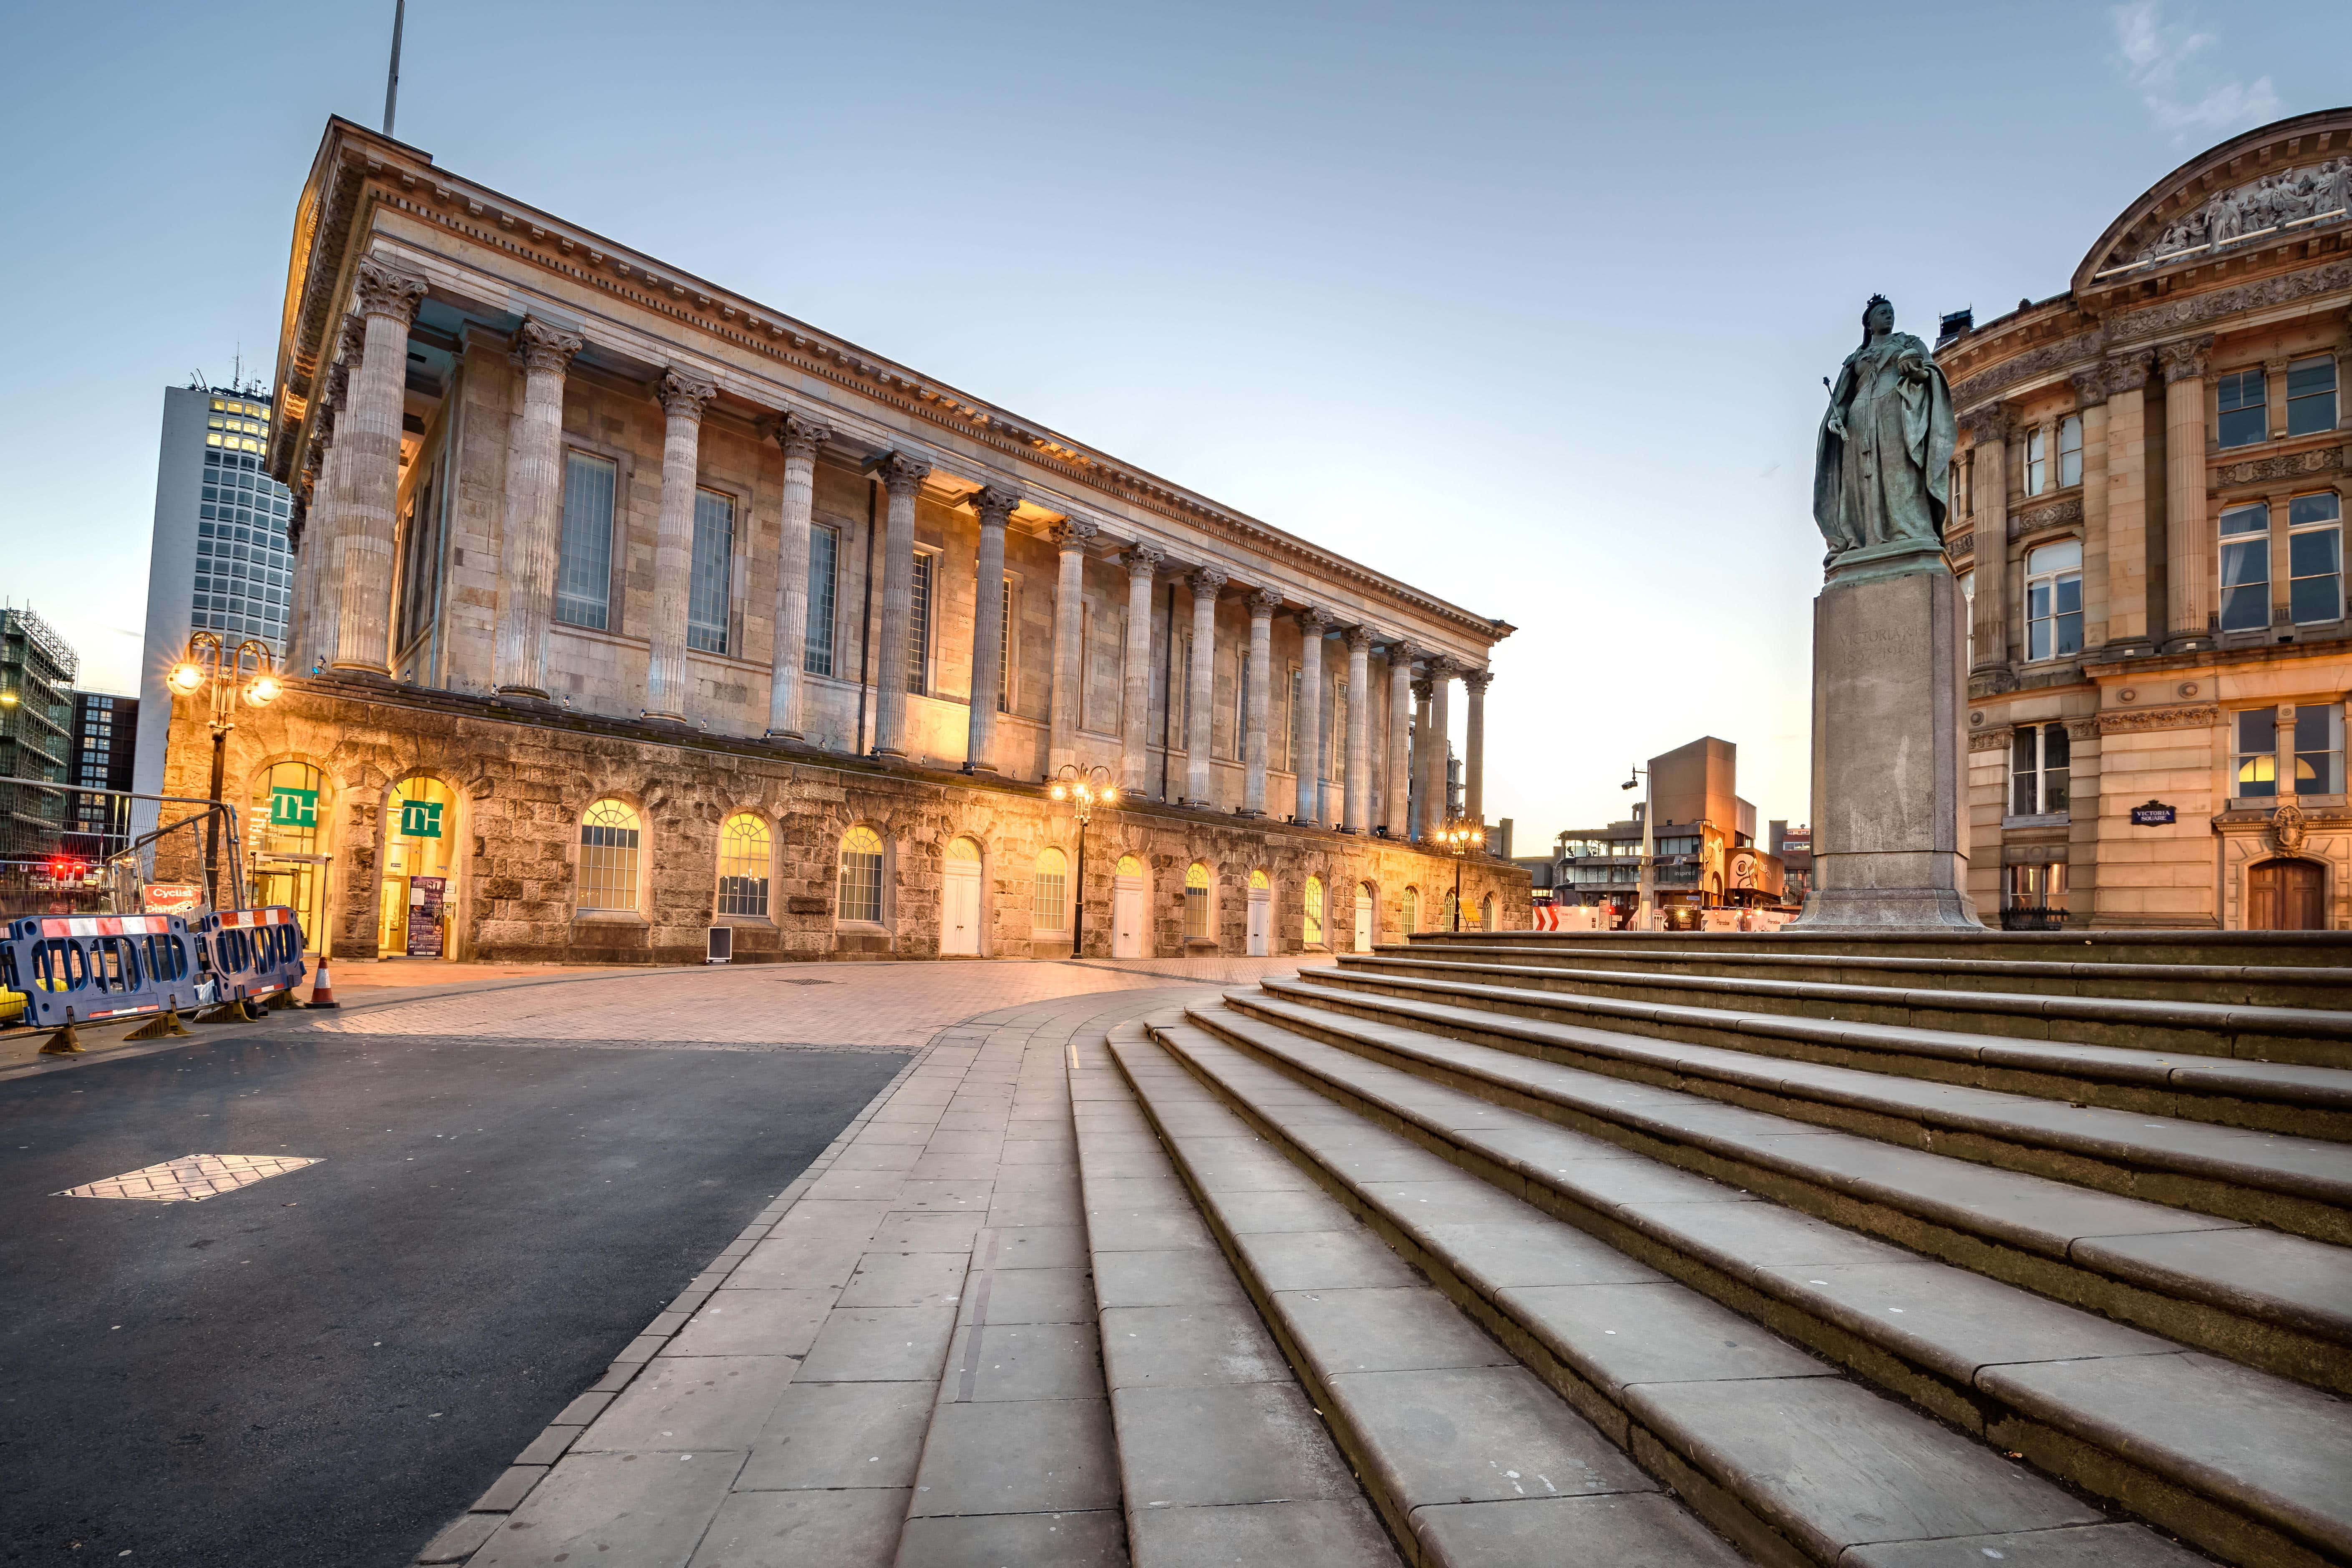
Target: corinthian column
{"points": [[1357, 807], [1396, 784], [683, 396], [1135, 670], [1262, 605], [324, 545], [1474, 745], [1437, 804], [801, 437], [994, 505], [902, 475], [1312, 624], [533, 538], [369, 440], [1205, 584], [1070, 536], [2187, 536]]}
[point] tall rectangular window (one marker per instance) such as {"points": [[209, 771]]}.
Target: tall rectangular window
{"points": [[823, 584], [2315, 556], [918, 625], [2319, 750], [1335, 766], [2070, 450], [1298, 678], [584, 572], [1241, 704], [2038, 887], [2039, 768], [2037, 462], [712, 576], [2053, 600], [2245, 568], [1969, 616], [1005, 652], [2311, 396], [2255, 753], [2243, 408]]}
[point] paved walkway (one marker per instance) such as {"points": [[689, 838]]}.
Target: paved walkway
{"points": [[778, 1413]]}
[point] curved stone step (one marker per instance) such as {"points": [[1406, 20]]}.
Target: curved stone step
{"points": [[2240, 984], [1764, 1440], [2271, 949], [2262, 1046], [2301, 1185], [1465, 1453], [2280, 1302]]}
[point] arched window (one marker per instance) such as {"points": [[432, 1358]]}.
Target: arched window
{"points": [[861, 877], [1452, 918], [1049, 900], [1486, 913], [1314, 934], [1412, 908], [743, 865], [1260, 882], [290, 807], [608, 856], [963, 849], [1196, 902]]}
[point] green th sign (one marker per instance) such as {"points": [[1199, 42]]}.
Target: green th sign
{"points": [[291, 807], [420, 819]]}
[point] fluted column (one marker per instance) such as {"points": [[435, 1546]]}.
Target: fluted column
{"points": [[327, 504], [1312, 624], [902, 475], [1440, 807], [683, 397], [1474, 745], [801, 437], [994, 504], [370, 439], [1396, 788], [1356, 809], [1201, 686], [1070, 536], [1262, 605], [1423, 826], [533, 538], [2188, 538], [1989, 489], [1142, 563]]}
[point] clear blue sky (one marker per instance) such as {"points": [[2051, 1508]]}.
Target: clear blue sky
{"points": [[1527, 304]]}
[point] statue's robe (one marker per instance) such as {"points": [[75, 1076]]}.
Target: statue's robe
{"points": [[1888, 477]]}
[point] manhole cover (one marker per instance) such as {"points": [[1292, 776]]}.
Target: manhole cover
{"points": [[190, 1179]]}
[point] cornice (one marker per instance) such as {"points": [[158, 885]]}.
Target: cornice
{"points": [[355, 166]]}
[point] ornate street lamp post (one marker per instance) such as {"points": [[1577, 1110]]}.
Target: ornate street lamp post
{"points": [[1458, 838], [1083, 787], [1646, 876], [208, 663]]}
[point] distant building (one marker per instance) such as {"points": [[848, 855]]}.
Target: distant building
{"points": [[105, 746], [36, 676], [1704, 841], [1794, 846]]}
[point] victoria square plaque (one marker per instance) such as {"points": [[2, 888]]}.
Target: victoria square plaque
{"points": [[1889, 850]]}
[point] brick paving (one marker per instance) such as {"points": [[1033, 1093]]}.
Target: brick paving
{"points": [[190, 1179]]}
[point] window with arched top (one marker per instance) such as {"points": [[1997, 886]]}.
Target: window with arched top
{"points": [[1412, 908], [1486, 913], [743, 863], [1129, 866], [1196, 902], [1049, 898], [1314, 931], [963, 849], [1260, 882], [861, 877], [609, 835]]}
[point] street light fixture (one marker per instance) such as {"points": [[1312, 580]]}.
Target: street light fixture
{"points": [[1083, 787], [1457, 837], [208, 662], [1645, 891]]}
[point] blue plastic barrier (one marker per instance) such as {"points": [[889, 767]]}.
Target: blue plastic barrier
{"points": [[251, 953], [82, 968]]}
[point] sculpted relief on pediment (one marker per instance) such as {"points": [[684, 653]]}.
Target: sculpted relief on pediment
{"points": [[2309, 198]]}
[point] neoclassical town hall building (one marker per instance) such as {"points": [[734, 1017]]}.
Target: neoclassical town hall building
{"points": [[2149, 512], [626, 606]]}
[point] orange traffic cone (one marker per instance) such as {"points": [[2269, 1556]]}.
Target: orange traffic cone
{"points": [[323, 988]]}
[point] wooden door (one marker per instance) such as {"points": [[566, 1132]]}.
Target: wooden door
{"points": [[1363, 920], [960, 910], [2285, 895], [1261, 921]]}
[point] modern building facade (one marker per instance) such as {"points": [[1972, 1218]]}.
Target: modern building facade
{"points": [[37, 705], [1704, 843], [2149, 514], [105, 751], [637, 606]]}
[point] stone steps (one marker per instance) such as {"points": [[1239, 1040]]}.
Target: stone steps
{"points": [[2301, 1185], [2280, 1302], [1630, 1286], [2250, 1037], [2239, 984], [2222, 949]]}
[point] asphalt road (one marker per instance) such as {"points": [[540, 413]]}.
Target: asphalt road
{"points": [[323, 1368]]}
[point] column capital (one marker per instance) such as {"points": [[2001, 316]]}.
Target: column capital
{"points": [[387, 290], [1991, 422], [800, 436], [1072, 532], [1142, 559], [1475, 681], [683, 393], [994, 503], [901, 473], [1422, 688], [2129, 373], [1262, 602], [1205, 581], [1403, 651], [350, 337], [1360, 638], [541, 347], [1444, 666], [2185, 361], [2090, 387], [1314, 620]]}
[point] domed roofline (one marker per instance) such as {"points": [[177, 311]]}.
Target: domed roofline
{"points": [[2314, 138]]}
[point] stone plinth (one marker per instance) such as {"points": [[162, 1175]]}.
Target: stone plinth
{"points": [[1889, 850]]}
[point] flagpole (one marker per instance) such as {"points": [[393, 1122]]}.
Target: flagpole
{"points": [[392, 78]]}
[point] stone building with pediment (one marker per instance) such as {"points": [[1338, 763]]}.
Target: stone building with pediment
{"points": [[2149, 514], [625, 605]]}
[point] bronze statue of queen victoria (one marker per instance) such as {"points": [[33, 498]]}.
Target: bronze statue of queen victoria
{"points": [[1882, 465]]}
